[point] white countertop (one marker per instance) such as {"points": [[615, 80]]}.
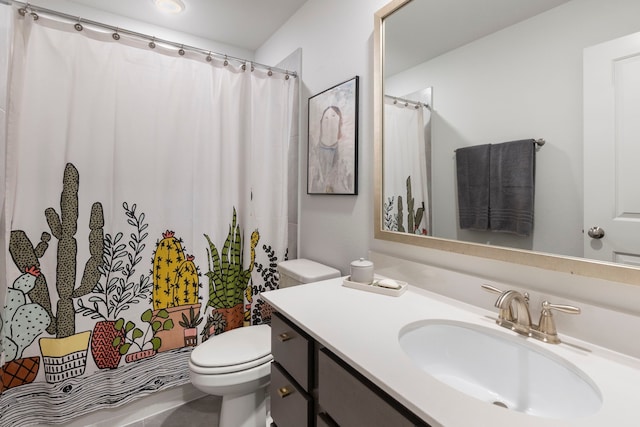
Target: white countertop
{"points": [[362, 328]]}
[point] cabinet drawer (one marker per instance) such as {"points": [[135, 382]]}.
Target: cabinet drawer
{"points": [[290, 406], [292, 350], [353, 401]]}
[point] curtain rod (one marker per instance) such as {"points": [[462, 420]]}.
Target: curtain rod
{"points": [[408, 101], [29, 8]]}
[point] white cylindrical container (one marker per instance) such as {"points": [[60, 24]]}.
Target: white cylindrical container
{"points": [[362, 271]]}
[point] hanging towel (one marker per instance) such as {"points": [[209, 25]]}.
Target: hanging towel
{"points": [[472, 166], [512, 187]]}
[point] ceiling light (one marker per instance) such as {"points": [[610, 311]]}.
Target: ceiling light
{"points": [[169, 6]]}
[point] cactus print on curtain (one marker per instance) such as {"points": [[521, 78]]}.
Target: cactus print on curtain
{"points": [[146, 211], [405, 190]]}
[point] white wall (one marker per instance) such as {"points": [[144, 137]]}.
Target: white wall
{"points": [[336, 39], [522, 82]]}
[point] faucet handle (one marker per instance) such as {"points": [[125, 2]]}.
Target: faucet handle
{"points": [[547, 326], [490, 288], [505, 313], [570, 309]]}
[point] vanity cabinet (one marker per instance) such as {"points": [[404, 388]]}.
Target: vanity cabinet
{"points": [[291, 374], [311, 386]]}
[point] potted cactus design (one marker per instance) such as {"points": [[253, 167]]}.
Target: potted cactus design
{"points": [[134, 337], [23, 322], [118, 289], [228, 281], [176, 286], [64, 356], [190, 325]]}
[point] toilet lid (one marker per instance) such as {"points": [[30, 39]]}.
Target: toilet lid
{"points": [[240, 348]]}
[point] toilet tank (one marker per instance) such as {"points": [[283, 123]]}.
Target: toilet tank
{"points": [[298, 271]]}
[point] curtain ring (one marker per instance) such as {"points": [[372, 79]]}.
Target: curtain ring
{"points": [[23, 10], [152, 43], [78, 25], [35, 16], [270, 73], [181, 51], [226, 60], [209, 58], [244, 67], [252, 68], [286, 75], [115, 35]]}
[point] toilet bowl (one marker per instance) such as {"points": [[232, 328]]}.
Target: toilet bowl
{"points": [[237, 366]]}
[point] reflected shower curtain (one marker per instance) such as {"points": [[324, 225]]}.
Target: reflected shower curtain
{"points": [[145, 212], [405, 191]]}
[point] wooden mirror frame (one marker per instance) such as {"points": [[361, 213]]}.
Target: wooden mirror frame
{"points": [[564, 264]]}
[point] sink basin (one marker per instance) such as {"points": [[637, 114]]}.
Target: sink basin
{"points": [[501, 369]]}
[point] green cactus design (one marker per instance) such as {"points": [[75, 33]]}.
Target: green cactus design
{"points": [[413, 218], [63, 227], [176, 279], [227, 279], [399, 220], [25, 320]]}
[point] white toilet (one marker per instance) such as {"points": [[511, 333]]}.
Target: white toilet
{"points": [[237, 364]]}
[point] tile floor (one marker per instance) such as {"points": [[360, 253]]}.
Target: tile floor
{"points": [[203, 412]]}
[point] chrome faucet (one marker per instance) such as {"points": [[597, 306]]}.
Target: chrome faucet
{"points": [[514, 314]]}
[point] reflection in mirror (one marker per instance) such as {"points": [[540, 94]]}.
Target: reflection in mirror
{"points": [[504, 70], [407, 162]]}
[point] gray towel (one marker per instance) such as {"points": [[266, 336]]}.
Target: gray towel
{"points": [[512, 187], [472, 167]]}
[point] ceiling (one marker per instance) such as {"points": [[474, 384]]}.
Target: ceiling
{"points": [[241, 23]]}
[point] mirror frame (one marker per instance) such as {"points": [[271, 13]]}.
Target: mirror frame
{"points": [[572, 265]]}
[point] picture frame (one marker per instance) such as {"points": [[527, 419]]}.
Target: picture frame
{"points": [[332, 155]]}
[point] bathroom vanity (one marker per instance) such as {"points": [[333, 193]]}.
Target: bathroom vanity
{"points": [[310, 384], [339, 359]]}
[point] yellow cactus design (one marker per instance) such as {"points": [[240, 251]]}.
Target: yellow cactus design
{"points": [[175, 276]]}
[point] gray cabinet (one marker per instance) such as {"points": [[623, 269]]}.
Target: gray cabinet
{"points": [[310, 386], [291, 374], [351, 400]]}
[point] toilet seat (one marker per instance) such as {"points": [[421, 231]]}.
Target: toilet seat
{"points": [[233, 351]]}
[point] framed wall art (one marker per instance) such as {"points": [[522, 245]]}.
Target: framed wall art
{"points": [[332, 164]]}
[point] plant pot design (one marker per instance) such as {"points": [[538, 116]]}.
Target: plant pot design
{"points": [[18, 372], [191, 337], [174, 338], [104, 353], [139, 355], [234, 316], [64, 357]]}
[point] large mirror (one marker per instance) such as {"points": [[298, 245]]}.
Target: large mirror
{"points": [[486, 73]]}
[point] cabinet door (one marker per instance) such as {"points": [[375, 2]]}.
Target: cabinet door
{"points": [[290, 406], [352, 403], [292, 350]]}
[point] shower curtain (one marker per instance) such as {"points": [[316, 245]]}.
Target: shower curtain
{"points": [[145, 211], [405, 178]]}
